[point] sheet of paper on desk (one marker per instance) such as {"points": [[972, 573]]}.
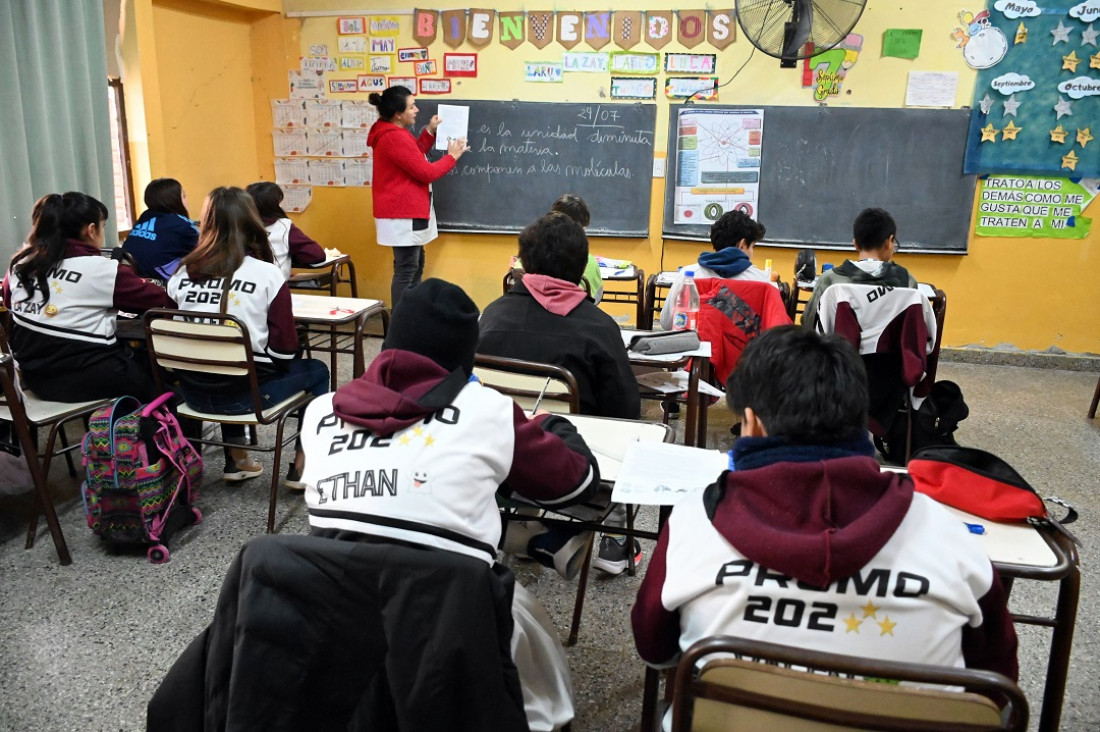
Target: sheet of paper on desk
{"points": [[660, 474], [455, 124], [673, 382]]}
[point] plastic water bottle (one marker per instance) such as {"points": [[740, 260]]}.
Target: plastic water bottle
{"points": [[685, 311]]}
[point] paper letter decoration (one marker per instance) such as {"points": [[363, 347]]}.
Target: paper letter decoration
{"points": [[721, 28], [597, 29], [511, 29], [454, 27], [481, 27], [570, 29], [425, 26], [540, 29], [626, 28], [690, 29]]}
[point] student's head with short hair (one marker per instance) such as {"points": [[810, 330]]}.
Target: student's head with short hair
{"points": [[438, 320], [229, 230], [556, 246], [166, 195], [573, 206], [795, 383], [874, 232], [268, 198], [735, 229]]}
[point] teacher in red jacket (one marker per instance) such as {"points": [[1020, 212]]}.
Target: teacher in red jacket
{"points": [[403, 213]]}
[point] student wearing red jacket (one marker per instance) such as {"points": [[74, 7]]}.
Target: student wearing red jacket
{"points": [[403, 214]]}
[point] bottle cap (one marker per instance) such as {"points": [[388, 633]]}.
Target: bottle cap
{"points": [[826, 267], [767, 264], [689, 273]]}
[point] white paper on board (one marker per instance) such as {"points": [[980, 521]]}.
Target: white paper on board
{"points": [[931, 89], [455, 124]]}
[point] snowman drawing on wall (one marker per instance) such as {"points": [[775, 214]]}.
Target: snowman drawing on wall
{"points": [[982, 45]]}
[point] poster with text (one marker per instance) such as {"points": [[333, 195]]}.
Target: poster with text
{"points": [[1036, 206], [718, 163]]}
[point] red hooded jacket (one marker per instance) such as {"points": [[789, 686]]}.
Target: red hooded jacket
{"points": [[402, 173]]}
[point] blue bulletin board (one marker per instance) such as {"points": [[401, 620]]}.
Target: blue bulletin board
{"points": [[1037, 95]]}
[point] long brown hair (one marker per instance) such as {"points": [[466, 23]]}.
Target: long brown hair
{"points": [[55, 219], [229, 231]]}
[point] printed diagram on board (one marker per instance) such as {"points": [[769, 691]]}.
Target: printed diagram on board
{"points": [[717, 163]]}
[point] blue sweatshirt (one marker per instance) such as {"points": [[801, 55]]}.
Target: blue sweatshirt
{"points": [[158, 241]]}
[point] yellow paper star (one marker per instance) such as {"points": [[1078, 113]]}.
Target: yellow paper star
{"points": [[1094, 61], [1070, 62], [404, 439], [418, 430], [428, 441], [887, 626], [1070, 161], [869, 609], [1021, 33], [1058, 135], [853, 623], [1010, 131], [989, 133], [1084, 136]]}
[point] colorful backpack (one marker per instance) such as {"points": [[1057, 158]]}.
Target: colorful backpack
{"points": [[142, 475]]}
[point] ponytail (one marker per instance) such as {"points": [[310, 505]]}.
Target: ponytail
{"points": [[55, 219]]}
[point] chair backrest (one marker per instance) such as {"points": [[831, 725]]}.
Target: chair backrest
{"points": [[655, 293], [801, 292], [527, 381], [725, 683]]}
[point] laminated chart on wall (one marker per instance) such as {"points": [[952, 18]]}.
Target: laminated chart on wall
{"points": [[1037, 99], [718, 163], [322, 142]]}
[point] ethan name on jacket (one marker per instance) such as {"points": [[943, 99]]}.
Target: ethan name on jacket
{"points": [[377, 482]]}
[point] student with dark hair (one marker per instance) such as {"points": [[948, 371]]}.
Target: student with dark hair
{"points": [[874, 235], [63, 296], [440, 448], [574, 207], [404, 217], [233, 246], [807, 543], [733, 237], [546, 317], [290, 246], [164, 234]]}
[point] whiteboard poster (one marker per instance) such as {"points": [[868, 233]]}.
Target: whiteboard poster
{"points": [[718, 163]]}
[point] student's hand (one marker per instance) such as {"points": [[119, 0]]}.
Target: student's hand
{"points": [[455, 148], [434, 123], [774, 276]]}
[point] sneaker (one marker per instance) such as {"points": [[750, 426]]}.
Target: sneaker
{"points": [[612, 557], [518, 536], [293, 479], [244, 468], [560, 549]]}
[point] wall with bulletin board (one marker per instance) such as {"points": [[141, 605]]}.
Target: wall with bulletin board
{"points": [[992, 298]]}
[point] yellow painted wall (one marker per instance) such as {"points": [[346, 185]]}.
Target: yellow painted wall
{"points": [[998, 294]]}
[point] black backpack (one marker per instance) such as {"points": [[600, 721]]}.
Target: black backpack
{"points": [[933, 424]]}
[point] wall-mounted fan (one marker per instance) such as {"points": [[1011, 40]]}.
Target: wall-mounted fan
{"points": [[782, 28]]}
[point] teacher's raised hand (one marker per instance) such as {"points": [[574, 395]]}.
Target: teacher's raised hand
{"points": [[434, 123], [455, 148]]}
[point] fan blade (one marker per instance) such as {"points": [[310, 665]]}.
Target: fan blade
{"points": [[797, 31]]}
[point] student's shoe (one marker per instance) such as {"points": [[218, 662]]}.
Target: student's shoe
{"points": [[241, 467], [293, 479], [560, 549], [518, 536], [612, 557]]}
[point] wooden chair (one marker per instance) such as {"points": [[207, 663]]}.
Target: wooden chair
{"points": [[725, 683], [12, 409], [555, 389], [220, 345], [655, 294], [38, 414], [1095, 401], [796, 301]]}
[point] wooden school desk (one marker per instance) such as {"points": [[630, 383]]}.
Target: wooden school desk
{"points": [[698, 360], [323, 315], [333, 267]]}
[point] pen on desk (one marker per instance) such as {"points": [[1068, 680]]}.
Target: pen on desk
{"points": [[541, 395], [975, 528]]}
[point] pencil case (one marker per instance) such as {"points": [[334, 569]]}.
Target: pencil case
{"points": [[656, 344]]}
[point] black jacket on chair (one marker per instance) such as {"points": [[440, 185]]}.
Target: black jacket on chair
{"points": [[313, 633]]}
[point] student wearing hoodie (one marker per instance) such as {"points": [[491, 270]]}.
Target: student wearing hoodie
{"points": [[164, 234], [547, 317], [290, 245], [417, 451], [733, 236], [806, 543], [404, 217], [874, 235]]}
